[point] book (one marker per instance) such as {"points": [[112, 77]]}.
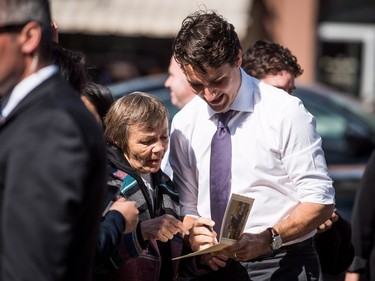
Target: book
{"points": [[234, 221]]}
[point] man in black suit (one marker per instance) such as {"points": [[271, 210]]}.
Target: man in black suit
{"points": [[52, 157]]}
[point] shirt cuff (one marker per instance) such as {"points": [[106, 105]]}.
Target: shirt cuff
{"points": [[358, 265]]}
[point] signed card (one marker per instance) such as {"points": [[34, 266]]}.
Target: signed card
{"points": [[234, 221], [235, 218]]}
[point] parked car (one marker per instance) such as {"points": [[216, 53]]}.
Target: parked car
{"points": [[347, 131]]}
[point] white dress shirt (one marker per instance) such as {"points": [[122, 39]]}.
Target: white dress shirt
{"points": [[277, 157]]}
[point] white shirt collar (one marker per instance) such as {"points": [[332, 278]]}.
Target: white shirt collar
{"points": [[22, 89], [244, 100]]}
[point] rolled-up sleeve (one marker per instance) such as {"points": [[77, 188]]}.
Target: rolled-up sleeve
{"points": [[303, 156]]}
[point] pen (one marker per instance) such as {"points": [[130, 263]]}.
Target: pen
{"points": [[210, 228]]}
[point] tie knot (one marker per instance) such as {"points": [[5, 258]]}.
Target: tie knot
{"points": [[223, 118]]}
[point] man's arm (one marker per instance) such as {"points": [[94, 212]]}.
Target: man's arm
{"points": [[184, 176], [303, 219], [303, 160]]}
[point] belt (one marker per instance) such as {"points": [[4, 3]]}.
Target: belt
{"points": [[308, 243]]}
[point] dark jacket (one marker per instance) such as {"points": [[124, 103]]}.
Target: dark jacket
{"points": [[334, 247], [52, 184], [137, 259], [110, 233], [363, 224]]}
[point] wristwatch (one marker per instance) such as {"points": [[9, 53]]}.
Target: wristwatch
{"points": [[276, 240]]}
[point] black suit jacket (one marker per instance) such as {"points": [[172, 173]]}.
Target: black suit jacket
{"points": [[52, 183]]}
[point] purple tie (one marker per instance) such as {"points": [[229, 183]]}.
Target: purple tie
{"points": [[220, 169]]}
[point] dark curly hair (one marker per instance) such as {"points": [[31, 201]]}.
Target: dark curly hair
{"points": [[72, 66], [266, 57], [206, 39]]}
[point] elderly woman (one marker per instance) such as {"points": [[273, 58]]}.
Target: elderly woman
{"points": [[136, 128]]}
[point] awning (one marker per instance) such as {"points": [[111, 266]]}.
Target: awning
{"points": [[154, 18]]}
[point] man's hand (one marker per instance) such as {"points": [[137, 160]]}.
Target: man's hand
{"points": [[162, 228], [328, 223], [129, 211], [249, 246], [202, 235]]}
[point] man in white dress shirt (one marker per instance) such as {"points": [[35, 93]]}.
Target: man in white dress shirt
{"points": [[277, 159]]}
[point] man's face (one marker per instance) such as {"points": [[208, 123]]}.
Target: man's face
{"points": [[181, 92], [11, 58], [218, 87], [283, 80]]}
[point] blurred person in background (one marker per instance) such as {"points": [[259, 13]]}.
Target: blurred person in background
{"points": [[363, 222], [136, 129], [98, 99], [52, 157], [72, 66], [273, 64], [181, 93]]}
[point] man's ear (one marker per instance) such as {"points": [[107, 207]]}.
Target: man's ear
{"points": [[30, 37], [239, 59]]}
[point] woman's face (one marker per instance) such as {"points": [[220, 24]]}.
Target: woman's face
{"points": [[146, 149]]}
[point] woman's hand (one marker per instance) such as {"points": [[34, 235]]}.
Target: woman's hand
{"points": [[129, 211], [162, 228]]}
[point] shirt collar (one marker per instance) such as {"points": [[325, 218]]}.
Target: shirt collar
{"points": [[244, 101], [22, 89], [245, 96]]}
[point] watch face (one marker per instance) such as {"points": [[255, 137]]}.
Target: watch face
{"points": [[277, 242]]}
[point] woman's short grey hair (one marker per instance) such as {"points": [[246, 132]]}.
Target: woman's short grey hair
{"points": [[137, 108]]}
